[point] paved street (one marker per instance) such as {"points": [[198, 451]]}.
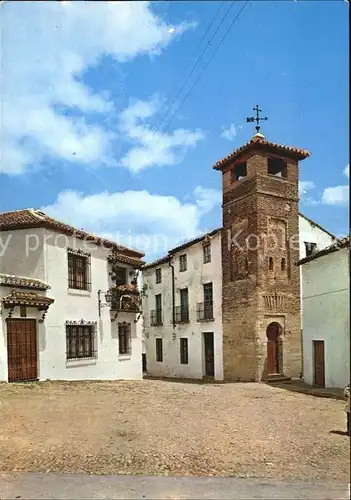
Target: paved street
{"points": [[75, 486]]}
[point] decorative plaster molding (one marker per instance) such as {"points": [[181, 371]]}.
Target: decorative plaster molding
{"points": [[80, 322], [274, 301], [76, 251]]}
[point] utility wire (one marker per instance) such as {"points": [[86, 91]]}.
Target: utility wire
{"points": [[204, 35], [156, 126], [197, 62], [205, 67]]}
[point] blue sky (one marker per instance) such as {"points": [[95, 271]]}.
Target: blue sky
{"points": [[85, 85]]}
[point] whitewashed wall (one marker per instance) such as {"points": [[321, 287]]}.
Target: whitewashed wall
{"points": [[196, 275], [22, 253], [325, 299], [49, 263], [311, 233]]}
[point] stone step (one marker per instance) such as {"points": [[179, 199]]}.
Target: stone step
{"points": [[271, 379]]}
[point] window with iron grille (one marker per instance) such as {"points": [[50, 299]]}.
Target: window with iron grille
{"points": [[184, 351], [182, 312], [120, 275], [206, 251], [208, 293], [310, 248], [158, 313], [158, 275], [78, 271], [80, 341], [124, 338], [156, 317], [208, 301], [159, 350], [182, 263]]}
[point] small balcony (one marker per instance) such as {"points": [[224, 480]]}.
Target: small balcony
{"points": [[126, 298], [181, 314], [156, 317], [205, 311]]}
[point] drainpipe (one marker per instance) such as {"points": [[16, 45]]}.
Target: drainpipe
{"points": [[173, 293]]}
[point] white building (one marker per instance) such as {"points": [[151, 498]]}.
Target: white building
{"points": [[183, 311], [188, 342], [69, 302], [326, 317]]}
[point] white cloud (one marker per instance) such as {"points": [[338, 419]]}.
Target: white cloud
{"points": [[138, 219], [152, 148], [333, 195], [46, 48], [304, 193], [229, 133], [207, 198], [305, 187], [336, 195]]}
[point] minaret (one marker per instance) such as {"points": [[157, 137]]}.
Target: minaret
{"points": [[260, 245]]}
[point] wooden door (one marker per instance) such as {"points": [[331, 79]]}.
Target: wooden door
{"points": [[209, 354], [318, 357], [271, 357], [21, 349], [144, 363], [274, 350]]}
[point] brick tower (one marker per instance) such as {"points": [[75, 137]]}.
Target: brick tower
{"points": [[260, 245]]}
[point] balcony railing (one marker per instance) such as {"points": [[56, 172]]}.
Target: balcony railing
{"points": [[205, 311], [125, 298], [156, 317], [181, 314]]}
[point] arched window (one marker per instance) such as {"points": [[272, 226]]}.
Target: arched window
{"points": [[283, 264], [270, 263]]}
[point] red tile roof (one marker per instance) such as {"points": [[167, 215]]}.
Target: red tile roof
{"points": [[22, 282], [30, 299], [30, 218], [259, 142], [125, 259]]}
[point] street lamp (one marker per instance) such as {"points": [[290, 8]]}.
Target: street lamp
{"points": [[108, 298]]}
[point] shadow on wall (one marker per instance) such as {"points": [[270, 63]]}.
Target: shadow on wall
{"points": [[264, 374], [42, 335], [101, 329]]}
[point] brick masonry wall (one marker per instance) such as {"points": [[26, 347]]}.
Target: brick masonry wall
{"points": [[265, 207]]}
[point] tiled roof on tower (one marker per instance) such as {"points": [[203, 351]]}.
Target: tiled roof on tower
{"points": [[259, 142]]}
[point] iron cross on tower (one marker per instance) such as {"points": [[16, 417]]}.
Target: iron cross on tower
{"points": [[256, 118]]}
